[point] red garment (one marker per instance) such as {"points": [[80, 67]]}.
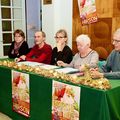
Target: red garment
{"points": [[42, 55]]}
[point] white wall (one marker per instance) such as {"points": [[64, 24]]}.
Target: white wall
{"points": [[55, 16]]}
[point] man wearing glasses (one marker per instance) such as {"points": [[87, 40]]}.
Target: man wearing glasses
{"points": [[112, 67]]}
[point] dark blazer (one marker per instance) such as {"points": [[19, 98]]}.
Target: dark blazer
{"points": [[22, 51]]}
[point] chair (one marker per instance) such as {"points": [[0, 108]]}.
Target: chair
{"points": [[103, 53]]}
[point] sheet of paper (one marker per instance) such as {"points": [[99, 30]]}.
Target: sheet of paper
{"points": [[67, 70], [45, 66], [32, 64]]}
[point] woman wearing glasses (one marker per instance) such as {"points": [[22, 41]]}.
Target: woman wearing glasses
{"points": [[19, 46], [61, 51]]}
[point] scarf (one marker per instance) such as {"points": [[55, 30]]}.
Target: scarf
{"points": [[16, 48]]}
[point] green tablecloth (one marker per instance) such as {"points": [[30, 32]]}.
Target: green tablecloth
{"points": [[95, 104]]}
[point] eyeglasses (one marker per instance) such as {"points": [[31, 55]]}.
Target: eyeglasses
{"points": [[59, 37], [115, 41]]}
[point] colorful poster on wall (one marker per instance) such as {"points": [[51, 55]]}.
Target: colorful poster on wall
{"points": [[20, 93], [87, 11], [65, 101]]}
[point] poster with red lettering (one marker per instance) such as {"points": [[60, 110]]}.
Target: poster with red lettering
{"points": [[87, 9], [65, 101], [20, 93]]}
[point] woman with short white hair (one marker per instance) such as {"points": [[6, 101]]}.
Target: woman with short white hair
{"points": [[83, 38], [84, 56]]}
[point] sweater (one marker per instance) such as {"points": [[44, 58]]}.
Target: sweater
{"points": [[91, 59], [42, 55], [65, 55], [112, 67]]}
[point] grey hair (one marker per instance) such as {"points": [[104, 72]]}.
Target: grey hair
{"points": [[84, 38], [117, 31]]}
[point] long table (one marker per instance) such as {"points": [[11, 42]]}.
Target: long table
{"points": [[95, 104]]}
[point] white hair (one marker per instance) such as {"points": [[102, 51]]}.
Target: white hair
{"points": [[117, 31], [84, 38]]}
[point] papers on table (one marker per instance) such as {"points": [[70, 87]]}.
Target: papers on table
{"points": [[32, 64], [48, 67], [45, 66], [67, 70]]}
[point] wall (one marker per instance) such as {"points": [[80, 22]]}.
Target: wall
{"points": [[56, 16]]}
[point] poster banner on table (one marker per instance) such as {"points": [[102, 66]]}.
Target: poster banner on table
{"points": [[87, 10], [65, 101], [20, 93]]}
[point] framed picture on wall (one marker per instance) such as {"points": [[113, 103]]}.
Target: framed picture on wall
{"points": [[47, 1]]}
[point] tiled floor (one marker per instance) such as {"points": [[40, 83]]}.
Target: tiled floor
{"points": [[4, 117]]}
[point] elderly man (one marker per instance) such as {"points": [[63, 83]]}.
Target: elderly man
{"points": [[112, 67], [85, 55], [41, 52]]}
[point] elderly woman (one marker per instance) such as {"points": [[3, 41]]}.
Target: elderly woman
{"points": [[85, 55], [19, 46], [61, 51]]}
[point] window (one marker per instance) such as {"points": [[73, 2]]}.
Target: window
{"points": [[12, 16]]}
